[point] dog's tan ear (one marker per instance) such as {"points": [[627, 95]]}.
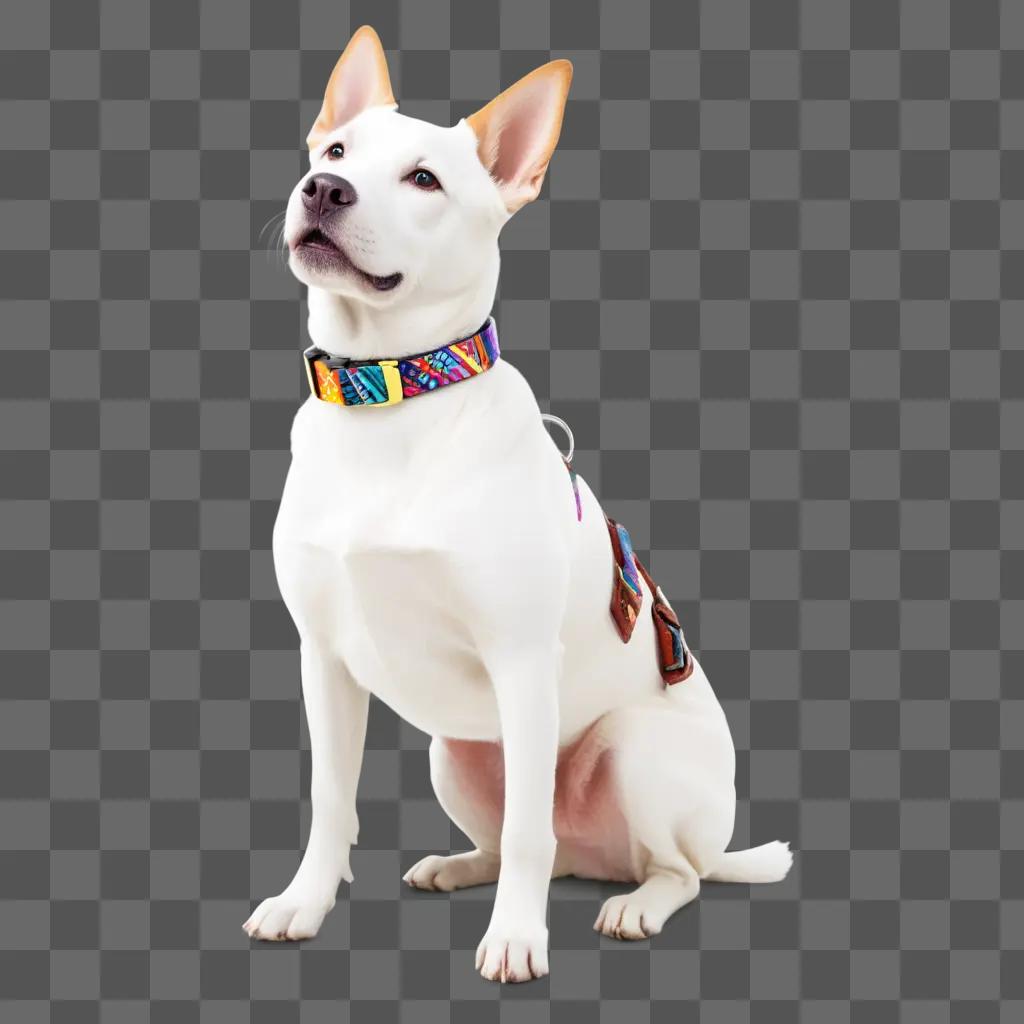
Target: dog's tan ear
{"points": [[518, 130], [360, 79]]}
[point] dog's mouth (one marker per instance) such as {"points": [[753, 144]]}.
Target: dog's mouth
{"points": [[317, 246]]}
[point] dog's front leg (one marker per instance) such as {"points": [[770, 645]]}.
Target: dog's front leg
{"points": [[336, 712], [515, 947]]}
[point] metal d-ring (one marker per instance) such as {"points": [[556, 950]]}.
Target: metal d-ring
{"points": [[566, 428]]}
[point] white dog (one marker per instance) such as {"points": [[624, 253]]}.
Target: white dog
{"points": [[433, 550]]}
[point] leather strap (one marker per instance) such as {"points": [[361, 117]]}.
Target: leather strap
{"points": [[674, 658]]}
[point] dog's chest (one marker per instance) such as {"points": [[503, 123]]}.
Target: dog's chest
{"points": [[363, 552]]}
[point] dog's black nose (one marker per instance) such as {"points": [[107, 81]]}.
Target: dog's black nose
{"points": [[324, 191]]}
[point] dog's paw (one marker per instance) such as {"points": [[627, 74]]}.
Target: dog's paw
{"points": [[288, 917], [505, 954], [455, 872], [626, 917]]}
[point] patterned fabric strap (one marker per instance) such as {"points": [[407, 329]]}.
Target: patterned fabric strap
{"points": [[575, 489], [674, 659], [627, 597], [377, 382]]}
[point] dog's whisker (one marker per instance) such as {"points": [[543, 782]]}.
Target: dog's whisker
{"points": [[280, 217], [280, 247], [274, 229], [276, 248]]}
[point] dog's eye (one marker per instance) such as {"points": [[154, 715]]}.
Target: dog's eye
{"points": [[336, 152], [425, 180]]}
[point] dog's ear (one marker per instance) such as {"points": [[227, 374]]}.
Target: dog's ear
{"points": [[518, 130], [360, 79]]}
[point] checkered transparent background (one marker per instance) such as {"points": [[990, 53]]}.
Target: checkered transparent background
{"points": [[776, 285]]}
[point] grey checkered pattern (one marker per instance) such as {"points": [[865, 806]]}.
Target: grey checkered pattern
{"points": [[776, 285]]}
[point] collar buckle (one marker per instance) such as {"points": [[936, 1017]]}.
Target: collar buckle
{"points": [[392, 377], [308, 358]]}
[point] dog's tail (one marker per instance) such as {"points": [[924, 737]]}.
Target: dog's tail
{"points": [[768, 863]]}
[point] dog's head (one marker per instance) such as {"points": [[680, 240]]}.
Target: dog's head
{"points": [[394, 209]]}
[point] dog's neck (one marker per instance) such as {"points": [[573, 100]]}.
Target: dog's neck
{"points": [[344, 326]]}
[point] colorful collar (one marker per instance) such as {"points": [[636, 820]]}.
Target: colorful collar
{"points": [[377, 382]]}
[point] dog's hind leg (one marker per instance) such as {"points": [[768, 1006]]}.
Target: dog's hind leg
{"points": [[672, 778], [454, 871], [467, 779], [642, 912], [468, 782]]}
